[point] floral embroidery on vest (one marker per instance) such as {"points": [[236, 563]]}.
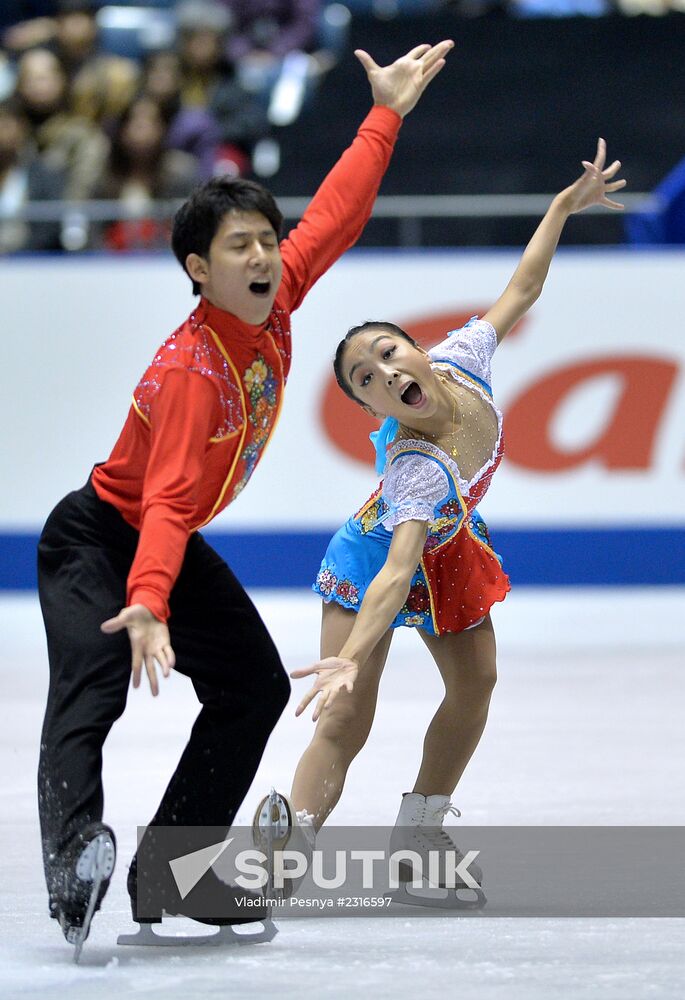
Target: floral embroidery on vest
{"points": [[260, 385]]}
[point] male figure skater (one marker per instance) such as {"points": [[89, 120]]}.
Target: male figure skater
{"points": [[200, 419]]}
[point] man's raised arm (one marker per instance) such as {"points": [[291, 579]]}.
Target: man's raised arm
{"points": [[336, 216]]}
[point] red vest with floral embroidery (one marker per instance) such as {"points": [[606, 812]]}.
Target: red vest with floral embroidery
{"points": [[249, 375]]}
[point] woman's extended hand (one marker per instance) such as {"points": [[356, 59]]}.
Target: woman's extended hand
{"points": [[334, 674], [595, 184]]}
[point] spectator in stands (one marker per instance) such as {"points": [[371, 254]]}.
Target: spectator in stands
{"points": [[139, 170], [27, 22], [6, 77], [279, 49], [101, 85], [210, 81], [65, 141], [192, 130], [266, 30], [24, 178]]}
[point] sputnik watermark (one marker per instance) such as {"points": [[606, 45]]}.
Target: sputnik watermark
{"points": [[445, 869], [530, 871], [314, 903], [188, 869]]}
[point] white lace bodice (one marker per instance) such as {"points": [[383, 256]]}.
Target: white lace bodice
{"points": [[471, 347], [414, 485]]}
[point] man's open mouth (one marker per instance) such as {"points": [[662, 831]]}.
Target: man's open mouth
{"points": [[412, 394], [260, 287]]}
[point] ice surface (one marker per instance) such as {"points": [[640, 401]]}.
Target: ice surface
{"points": [[585, 728]]}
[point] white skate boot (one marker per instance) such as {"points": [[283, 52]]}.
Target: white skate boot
{"points": [[419, 833], [278, 827]]}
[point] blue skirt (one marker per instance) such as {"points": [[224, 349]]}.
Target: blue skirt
{"points": [[353, 558]]}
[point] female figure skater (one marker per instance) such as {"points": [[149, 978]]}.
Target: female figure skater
{"points": [[417, 553]]}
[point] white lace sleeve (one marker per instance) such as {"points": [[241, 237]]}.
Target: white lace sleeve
{"points": [[412, 488], [471, 347]]}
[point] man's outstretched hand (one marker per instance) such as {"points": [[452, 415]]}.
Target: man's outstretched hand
{"points": [[400, 85], [149, 643]]}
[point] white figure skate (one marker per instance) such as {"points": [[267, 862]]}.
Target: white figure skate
{"points": [[278, 827], [453, 878]]}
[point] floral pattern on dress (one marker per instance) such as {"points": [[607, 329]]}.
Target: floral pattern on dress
{"points": [[372, 512], [451, 508], [442, 526], [347, 591], [481, 533], [432, 542], [418, 599], [481, 529], [326, 582], [441, 529]]}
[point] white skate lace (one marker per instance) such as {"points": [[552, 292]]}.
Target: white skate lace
{"points": [[450, 808], [437, 836]]}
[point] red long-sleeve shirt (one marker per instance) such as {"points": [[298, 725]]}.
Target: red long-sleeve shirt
{"points": [[205, 408]]}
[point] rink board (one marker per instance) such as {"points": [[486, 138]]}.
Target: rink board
{"points": [[592, 488]]}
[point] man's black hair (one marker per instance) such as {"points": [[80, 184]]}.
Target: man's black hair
{"points": [[197, 221], [353, 332]]}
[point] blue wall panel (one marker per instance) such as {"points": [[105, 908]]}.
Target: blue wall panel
{"points": [[544, 557]]}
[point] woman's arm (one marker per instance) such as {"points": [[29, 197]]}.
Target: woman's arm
{"points": [[387, 592], [384, 597], [526, 284]]}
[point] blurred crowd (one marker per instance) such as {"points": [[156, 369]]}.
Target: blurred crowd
{"points": [[138, 104], [134, 102]]}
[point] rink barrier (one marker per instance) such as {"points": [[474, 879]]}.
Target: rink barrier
{"points": [[543, 557]]}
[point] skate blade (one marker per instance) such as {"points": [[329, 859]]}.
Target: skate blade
{"points": [[451, 901], [273, 820], [225, 935], [272, 827], [95, 864]]}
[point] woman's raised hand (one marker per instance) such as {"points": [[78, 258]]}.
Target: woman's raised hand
{"points": [[333, 674], [593, 186]]}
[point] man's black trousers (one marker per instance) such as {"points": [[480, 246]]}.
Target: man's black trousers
{"points": [[84, 556]]}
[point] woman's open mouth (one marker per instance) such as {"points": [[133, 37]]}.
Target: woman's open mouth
{"points": [[261, 288], [412, 394]]}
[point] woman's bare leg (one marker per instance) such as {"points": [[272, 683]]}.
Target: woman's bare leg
{"points": [[344, 726], [467, 664]]}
